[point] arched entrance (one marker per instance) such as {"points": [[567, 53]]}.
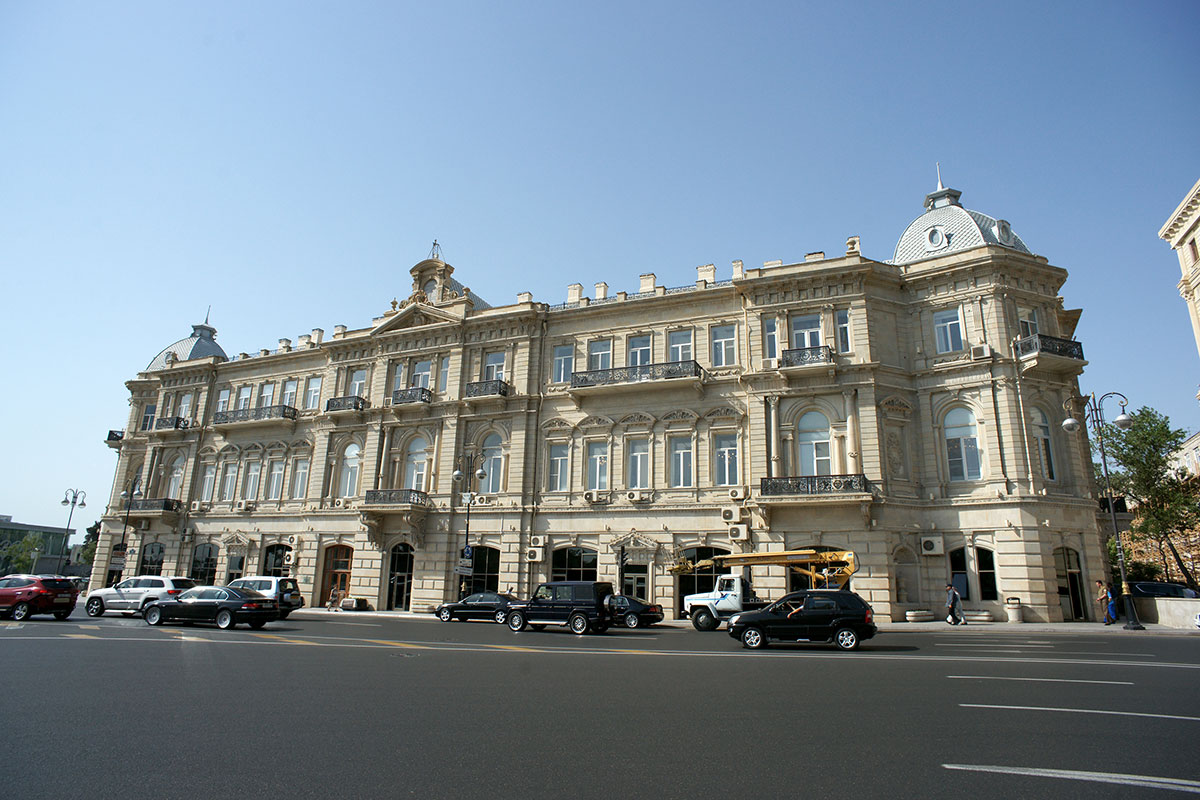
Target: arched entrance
{"points": [[485, 572], [152, 559], [338, 559], [400, 578], [1070, 584], [700, 579]]}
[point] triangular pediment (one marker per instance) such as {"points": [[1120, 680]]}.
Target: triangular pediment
{"points": [[633, 541], [235, 539], [413, 314]]}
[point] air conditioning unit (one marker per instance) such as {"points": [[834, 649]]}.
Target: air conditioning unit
{"points": [[143, 524], [637, 496], [593, 496], [194, 505], [239, 505], [770, 363], [387, 402], [289, 558], [932, 546], [739, 533], [534, 554], [293, 538], [249, 505], [732, 514], [737, 493], [536, 540], [981, 352], [339, 502]]}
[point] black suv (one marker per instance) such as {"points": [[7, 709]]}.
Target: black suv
{"points": [[841, 617], [580, 605]]}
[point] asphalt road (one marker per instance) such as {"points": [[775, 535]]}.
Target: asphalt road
{"points": [[360, 706]]}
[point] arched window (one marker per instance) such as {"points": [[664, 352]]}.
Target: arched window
{"points": [[348, 477], [152, 559], [958, 571], [985, 568], [400, 578], [204, 564], [493, 464], [415, 464], [962, 446], [175, 478], [1071, 595], [275, 560], [1041, 430], [485, 572], [812, 438], [574, 564]]}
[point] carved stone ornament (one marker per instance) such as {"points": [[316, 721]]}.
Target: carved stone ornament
{"points": [[596, 422], [682, 415], [895, 455], [637, 419], [896, 407]]}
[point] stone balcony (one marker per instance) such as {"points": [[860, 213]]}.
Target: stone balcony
{"points": [[263, 415], [350, 403], [826, 488], [485, 390], [171, 424], [114, 439], [642, 377], [379, 498], [802, 359], [163, 508], [1050, 354], [412, 396]]}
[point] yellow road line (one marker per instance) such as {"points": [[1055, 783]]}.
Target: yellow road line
{"points": [[514, 648], [285, 639], [397, 644], [90, 627], [80, 636]]}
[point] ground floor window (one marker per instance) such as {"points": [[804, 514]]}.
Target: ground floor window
{"points": [[634, 581], [400, 578], [700, 578], [204, 564], [275, 560], [152, 559], [485, 572], [574, 564], [235, 568]]}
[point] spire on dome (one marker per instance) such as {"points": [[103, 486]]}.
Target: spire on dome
{"points": [[942, 196]]}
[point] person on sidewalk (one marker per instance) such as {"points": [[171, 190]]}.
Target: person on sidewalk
{"points": [[1104, 598], [954, 609], [335, 600]]}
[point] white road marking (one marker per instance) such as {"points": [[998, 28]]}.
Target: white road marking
{"points": [[1146, 781], [1082, 711], [1042, 680], [990, 644], [359, 624]]}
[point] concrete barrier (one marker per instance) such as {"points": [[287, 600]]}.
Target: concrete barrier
{"points": [[1174, 612]]}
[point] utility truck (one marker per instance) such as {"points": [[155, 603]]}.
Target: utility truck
{"points": [[828, 569]]}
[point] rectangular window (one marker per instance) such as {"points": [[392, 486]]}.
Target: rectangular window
{"points": [[421, 374], [948, 329], [1027, 320], [358, 383], [148, 416], [681, 461], [290, 388], [397, 377], [312, 392], [963, 457], [806, 331], [299, 478], [597, 466], [726, 459], [250, 489], [637, 464], [243, 398], [600, 354], [842, 322], [274, 480], [266, 395], [564, 363], [207, 483], [444, 374], [493, 367], [638, 351], [724, 346], [558, 468], [185, 406], [679, 344], [770, 338], [223, 400], [228, 475]]}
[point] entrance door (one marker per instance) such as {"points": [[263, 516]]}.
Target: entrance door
{"points": [[1070, 584], [400, 580], [633, 581], [337, 571]]}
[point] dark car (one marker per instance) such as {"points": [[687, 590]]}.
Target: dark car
{"points": [[581, 606], [1156, 589], [491, 606], [633, 612], [816, 615], [224, 605], [22, 596]]}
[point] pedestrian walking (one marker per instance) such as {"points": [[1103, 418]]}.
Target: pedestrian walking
{"points": [[1104, 598], [335, 599], [954, 609], [1112, 602]]}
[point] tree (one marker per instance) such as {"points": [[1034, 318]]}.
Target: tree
{"points": [[20, 554], [1166, 499], [87, 553]]}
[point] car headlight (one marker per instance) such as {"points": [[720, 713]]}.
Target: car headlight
{"points": [[734, 619]]}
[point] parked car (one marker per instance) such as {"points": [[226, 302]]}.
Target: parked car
{"points": [[283, 590], [633, 612], [81, 583], [816, 615], [22, 596], [581, 606], [226, 606], [1156, 589], [133, 594], [481, 605]]}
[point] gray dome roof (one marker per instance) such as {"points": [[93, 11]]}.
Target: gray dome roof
{"points": [[947, 227], [200, 344]]}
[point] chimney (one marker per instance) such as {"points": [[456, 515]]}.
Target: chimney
{"points": [[525, 297], [306, 341], [601, 290], [317, 335], [646, 285], [738, 270], [817, 256], [574, 292], [339, 331], [285, 345], [706, 274]]}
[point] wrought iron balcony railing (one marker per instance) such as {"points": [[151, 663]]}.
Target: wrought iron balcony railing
{"points": [[115, 436], [1041, 343], [157, 504], [396, 497], [637, 374], [815, 484], [413, 394], [351, 403], [172, 423], [486, 389], [251, 414], [803, 356]]}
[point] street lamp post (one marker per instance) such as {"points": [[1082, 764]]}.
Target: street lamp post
{"points": [[77, 496], [464, 464], [132, 493], [1093, 414]]}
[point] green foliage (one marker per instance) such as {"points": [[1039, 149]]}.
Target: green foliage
{"points": [[19, 555], [93, 534], [1134, 570]]}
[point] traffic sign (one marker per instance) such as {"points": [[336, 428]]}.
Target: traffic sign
{"points": [[467, 551], [461, 570]]}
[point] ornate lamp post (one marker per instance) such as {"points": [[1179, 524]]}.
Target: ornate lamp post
{"points": [[129, 495], [462, 465], [76, 496], [1093, 414]]}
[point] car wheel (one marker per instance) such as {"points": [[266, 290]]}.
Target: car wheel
{"points": [[61, 615], [846, 638], [703, 620], [601, 628], [516, 621], [500, 616], [21, 612], [753, 639], [284, 614], [444, 615], [153, 615], [225, 619], [257, 624], [94, 607], [578, 624], [632, 621]]}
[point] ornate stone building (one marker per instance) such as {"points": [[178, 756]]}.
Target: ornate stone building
{"points": [[907, 409], [1182, 232]]}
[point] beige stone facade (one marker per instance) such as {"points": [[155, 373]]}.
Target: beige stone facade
{"points": [[908, 410], [1182, 232]]}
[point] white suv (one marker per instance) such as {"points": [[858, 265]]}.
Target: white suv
{"points": [[282, 590], [132, 594]]}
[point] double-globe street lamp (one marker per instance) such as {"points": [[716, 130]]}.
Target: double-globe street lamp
{"points": [[129, 496], [76, 496], [1093, 415], [463, 465]]}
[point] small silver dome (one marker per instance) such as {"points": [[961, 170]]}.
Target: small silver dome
{"points": [[201, 344], [947, 227]]}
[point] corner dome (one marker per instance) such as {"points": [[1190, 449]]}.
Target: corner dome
{"points": [[201, 344], [947, 227]]}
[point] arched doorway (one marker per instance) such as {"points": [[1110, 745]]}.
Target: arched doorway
{"points": [[1070, 584], [204, 564], [907, 570], [700, 579], [338, 559], [574, 564], [485, 572], [400, 578], [152, 559], [275, 560]]}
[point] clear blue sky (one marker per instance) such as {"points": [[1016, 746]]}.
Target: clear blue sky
{"points": [[287, 162]]}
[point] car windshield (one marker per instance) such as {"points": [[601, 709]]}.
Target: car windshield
{"points": [[183, 583]]}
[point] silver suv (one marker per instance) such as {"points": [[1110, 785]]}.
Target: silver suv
{"points": [[282, 590], [132, 594]]}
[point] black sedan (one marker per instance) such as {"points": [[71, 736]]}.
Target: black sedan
{"points": [[224, 605], [632, 612], [491, 606]]}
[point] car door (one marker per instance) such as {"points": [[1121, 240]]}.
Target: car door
{"points": [[469, 607], [209, 603], [8, 592], [818, 615], [541, 605], [124, 594], [619, 606], [786, 622]]}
